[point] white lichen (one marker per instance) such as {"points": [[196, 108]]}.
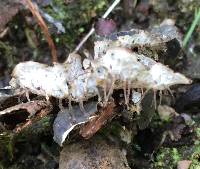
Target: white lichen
{"points": [[114, 66]]}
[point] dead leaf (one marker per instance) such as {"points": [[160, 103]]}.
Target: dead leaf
{"points": [[165, 112]]}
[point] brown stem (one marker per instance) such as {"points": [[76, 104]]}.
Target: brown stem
{"points": [[44, 28]]}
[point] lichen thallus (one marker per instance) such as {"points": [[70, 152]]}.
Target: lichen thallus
{"points": [[118, 68]]}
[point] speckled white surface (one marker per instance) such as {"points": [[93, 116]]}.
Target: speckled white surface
{"points": [[113, 62]]}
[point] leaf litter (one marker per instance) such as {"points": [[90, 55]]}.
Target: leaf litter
{"points": [[67, 120], [114, 66]]}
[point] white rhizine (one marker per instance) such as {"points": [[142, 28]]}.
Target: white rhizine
{"points": [[136, 96]]}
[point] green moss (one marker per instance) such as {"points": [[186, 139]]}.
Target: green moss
{"points": [[198, 132], [7, 52], [167, 158], [196, 154], [76, 18], [6, 147]]}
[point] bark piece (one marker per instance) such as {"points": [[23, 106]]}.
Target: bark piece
{"points": [[31, 107]]}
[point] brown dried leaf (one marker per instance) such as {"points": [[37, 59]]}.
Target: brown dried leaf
{"points": [[96, 123]]}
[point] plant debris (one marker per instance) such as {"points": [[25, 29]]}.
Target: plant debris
{"points": [[31, 107], [97, 122], [128, 84], [67, 120]]}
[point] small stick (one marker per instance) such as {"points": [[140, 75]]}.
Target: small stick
{"points": [[44, 28], [92, 30], [84, 39]]}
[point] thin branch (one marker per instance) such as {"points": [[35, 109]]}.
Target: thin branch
{"points": [[84, 39], [36, 14], [115, 3], [92, 30]]}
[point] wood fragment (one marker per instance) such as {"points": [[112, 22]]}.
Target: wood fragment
{"points": [[96, 123], [43, 112], [31, 107]]}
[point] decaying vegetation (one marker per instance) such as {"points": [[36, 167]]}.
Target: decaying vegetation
{"points": [[78, 82]]}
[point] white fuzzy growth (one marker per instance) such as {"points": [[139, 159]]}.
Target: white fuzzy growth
{"points": [[159, 77], [41, 79], [164, 77], [70, 80], [83, 87], [121, 63], [60, 81], [100, 48], [73, 66], [137, 37], [146, 61], [141, 71], [141, 38]]}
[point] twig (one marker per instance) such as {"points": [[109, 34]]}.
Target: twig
{"points": [[84, 39], [4, 32], [44, 28], [192, 27], [109, 10]]}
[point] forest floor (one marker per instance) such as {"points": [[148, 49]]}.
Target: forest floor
{"points": [[166, 136]]}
